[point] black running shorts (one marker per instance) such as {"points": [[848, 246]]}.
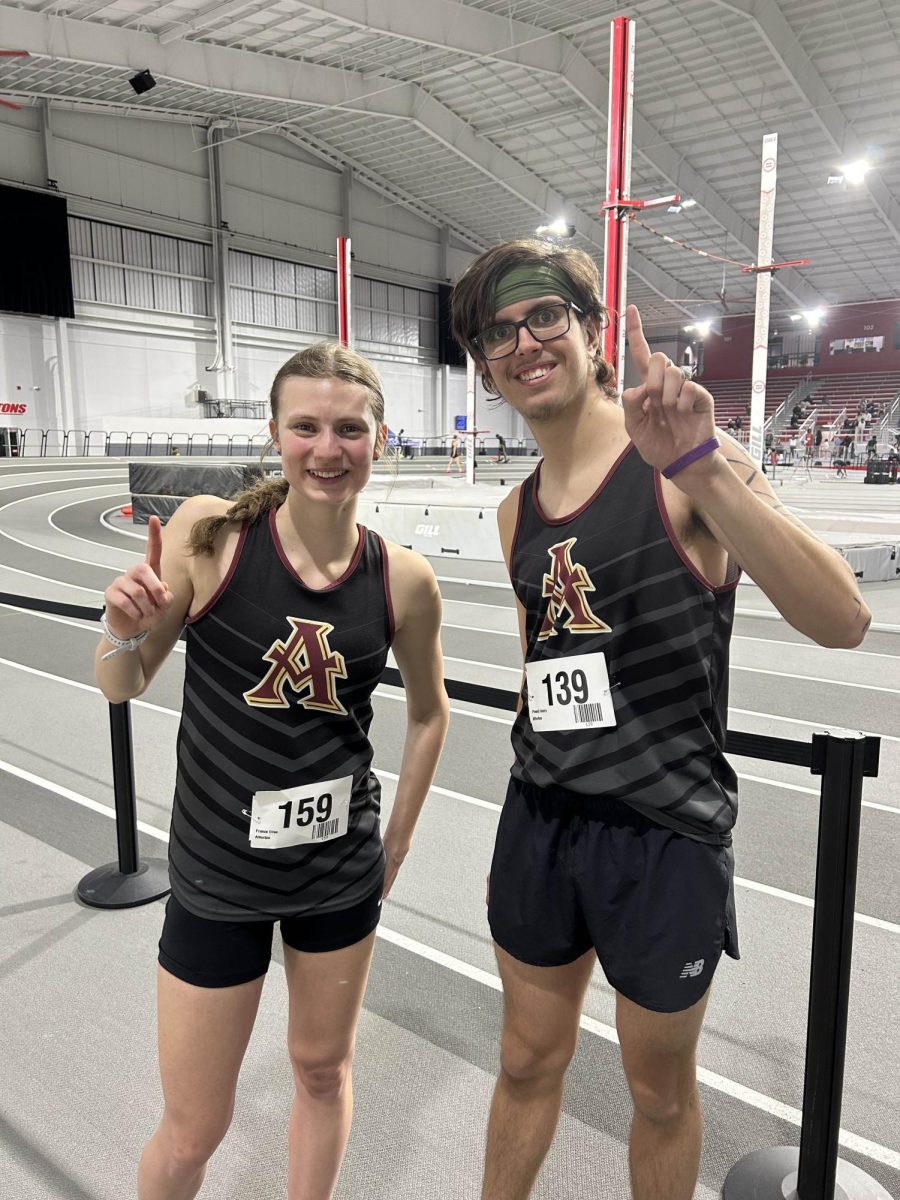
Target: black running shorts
{"points": [[216, 954], [572, 872]]}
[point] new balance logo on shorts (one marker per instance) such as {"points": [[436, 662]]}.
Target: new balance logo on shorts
{"points": [[691, 970]]}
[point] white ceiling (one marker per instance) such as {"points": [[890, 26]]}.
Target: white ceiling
{"points": [[490, 116]]}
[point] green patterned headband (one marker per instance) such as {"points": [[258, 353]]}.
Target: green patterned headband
{"points": [[531, 280]]}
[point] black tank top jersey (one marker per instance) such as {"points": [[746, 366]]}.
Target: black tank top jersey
{"points": [[300, 716], [612, 577]]}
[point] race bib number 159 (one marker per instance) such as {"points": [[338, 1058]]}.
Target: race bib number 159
{"points": [[317, 812]]}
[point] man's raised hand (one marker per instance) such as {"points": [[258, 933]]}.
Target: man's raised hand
{"points": [[666, 415], [139, 599]]}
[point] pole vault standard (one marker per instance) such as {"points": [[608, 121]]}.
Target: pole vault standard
{"points": [[764, 270], [618, 185], [471, 427], [619, 205], [343, 290], [763, 290]]}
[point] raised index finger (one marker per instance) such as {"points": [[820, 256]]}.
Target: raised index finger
{"points": [[637, 343], [154, 547]]}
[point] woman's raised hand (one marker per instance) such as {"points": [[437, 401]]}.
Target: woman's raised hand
{"points": [[140, 598]]}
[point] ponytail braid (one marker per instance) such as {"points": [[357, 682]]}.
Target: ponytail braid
{"points": [[246, 506]]}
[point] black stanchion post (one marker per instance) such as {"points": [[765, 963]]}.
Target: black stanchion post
{"points": [[814, 1171], [128, 882], [123, 787]]}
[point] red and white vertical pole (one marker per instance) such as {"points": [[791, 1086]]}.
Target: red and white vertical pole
{"points": [[618, 188], [343, 290], [763, 290]]}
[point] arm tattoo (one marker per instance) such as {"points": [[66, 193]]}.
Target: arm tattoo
{"points": [[868, 620], [766, 495]]}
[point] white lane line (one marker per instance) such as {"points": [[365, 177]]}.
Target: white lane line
{"points": [[741, 637], [85, 801], [90, 541], [480, 629], [115, 529], [819, 725], [712, 1079], [869, 687], [488, 583], [95, 592], [765, 615], [6, 487], [810, 791], [507, 608], [474, 662], [89, 627], [399, 694], [780, 893], [55, 553]]}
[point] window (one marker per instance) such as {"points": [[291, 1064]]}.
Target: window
{"points": [[112, 264]]}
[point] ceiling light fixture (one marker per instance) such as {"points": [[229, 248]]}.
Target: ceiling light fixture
{"points": [[855, 172], [560, 228]]}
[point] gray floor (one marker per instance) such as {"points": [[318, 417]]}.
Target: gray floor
{"points": [[80, 1093]]}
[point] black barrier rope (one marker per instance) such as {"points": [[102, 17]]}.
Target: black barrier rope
{"points": [[811, 1172]]}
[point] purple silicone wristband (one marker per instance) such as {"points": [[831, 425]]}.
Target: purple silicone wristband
{"points": [[700, 451]]}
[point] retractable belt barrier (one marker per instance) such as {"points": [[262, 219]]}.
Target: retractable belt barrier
{"points": [[841, 757]]}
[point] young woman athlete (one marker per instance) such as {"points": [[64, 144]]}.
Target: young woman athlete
{"points": [[290, 608]]}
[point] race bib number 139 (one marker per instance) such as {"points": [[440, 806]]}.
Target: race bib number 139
{"points": [[570, 693]]}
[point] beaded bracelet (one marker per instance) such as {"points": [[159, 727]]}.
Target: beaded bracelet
{"points": [[700, 451]]}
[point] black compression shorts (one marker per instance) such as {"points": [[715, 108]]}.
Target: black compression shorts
{"points": [[211, 953]]}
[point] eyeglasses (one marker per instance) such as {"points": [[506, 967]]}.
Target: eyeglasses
{"points": [[549, 322]]}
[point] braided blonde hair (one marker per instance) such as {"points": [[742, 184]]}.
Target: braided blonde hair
{"points": [[325, 360]]}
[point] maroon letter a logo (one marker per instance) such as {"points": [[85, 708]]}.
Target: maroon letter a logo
{"points": [[306, 663], [566, 586]]}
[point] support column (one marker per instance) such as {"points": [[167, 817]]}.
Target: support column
{"points": [[65, 400], [223, 366], [347, 200], [47, 146], [441, 417]]}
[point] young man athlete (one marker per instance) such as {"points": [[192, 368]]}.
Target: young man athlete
{"points": [[624, 549]]}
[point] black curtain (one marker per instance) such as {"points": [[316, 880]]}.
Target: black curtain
{"points": [[450, 353], [36, 271]]}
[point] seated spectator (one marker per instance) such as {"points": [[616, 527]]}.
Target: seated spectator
{"points": [[739, 423]]}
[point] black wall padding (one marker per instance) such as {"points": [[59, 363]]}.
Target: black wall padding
{"points": [[157, 489], [36, 271], [450, 353]]}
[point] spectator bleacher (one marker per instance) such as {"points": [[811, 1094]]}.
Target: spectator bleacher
{"points": [[732, 397], [835, 394]]}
